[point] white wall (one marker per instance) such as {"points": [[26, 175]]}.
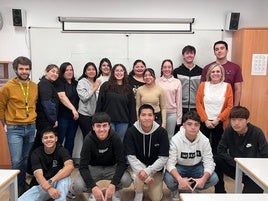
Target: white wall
{"points": [[208, 14]]}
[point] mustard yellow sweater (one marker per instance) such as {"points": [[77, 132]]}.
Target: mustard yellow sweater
{"points": [[13, 105]]}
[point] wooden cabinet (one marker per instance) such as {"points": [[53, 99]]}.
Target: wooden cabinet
{"points": [[4, 72], [248, 41], [4, 152]]}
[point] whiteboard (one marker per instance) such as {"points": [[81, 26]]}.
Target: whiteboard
{"points": [[50, 45]]}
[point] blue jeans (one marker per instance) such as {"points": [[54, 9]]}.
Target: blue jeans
{"points": [[20, 140], [66, 130], [120, 129], [196, 171], [171, 124], [36, 193]]}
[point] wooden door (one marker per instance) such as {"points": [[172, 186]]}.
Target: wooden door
{"points": [[246, 42]]}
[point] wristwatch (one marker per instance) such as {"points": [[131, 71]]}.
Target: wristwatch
{"points": [[50, 182]]}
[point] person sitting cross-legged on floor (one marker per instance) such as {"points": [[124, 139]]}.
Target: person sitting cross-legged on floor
{"points": [[190, 166], [102, 158], [52, 166]]}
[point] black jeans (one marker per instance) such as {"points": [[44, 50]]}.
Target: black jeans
{"points": [[85, 124], [214, 135], [222, 167]]}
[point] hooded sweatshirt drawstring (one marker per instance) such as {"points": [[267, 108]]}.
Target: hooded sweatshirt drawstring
{"points": [[137, 124]]}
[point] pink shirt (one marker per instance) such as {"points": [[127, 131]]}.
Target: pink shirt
{"points": [[173, 95]]}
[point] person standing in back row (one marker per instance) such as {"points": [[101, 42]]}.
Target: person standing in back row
{"points": [[117, 99], [154, 95], [18, 99], [189, 74], [68, 105], [233, 74], [172, 90]]}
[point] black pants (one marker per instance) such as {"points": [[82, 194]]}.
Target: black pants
{"points": [[184, 110], [222, 167], [85, 124], [214, 135], [158, 118]]}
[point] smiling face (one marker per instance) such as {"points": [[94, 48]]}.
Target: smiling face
{"points": [[188, 57], [106, 69], [23, 72], [119, 73], [101, 130], [216, 75], [52, 74], [146, 118], [49, 140], [148, 78], [139, 69], [91, 72], [167, 69]]}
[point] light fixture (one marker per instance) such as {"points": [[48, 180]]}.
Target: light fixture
{"points": [[126, 25]]}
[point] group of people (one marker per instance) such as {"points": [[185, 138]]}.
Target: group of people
{"points": [[128, 122]]}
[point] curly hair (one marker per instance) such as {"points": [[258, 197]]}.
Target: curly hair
{"points": [[112, 82]]}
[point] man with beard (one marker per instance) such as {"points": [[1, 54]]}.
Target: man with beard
{"points": [[18, 99]]}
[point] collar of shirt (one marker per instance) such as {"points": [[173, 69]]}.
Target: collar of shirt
{"points": [[167, 79]]}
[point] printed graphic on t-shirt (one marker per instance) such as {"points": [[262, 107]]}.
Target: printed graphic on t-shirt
{"points": [[55, 163], [190, 155]]}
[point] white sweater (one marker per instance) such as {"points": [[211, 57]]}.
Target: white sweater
{"points": [[184, 152]]}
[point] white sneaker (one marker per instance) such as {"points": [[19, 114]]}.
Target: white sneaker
{"points": [[175, 195], [116, 196], [91, 197], [138, 196]]}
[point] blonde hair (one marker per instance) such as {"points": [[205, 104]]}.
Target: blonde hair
{"points": [[211, 68]]}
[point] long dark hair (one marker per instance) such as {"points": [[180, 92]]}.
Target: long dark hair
{"points": [[112, 82], [134, 64], [101, 62], [63, 68], [85, 69]]}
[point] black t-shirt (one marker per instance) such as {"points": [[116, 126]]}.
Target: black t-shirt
{"points": [[71, 93], [135, 84], [51, 164]]}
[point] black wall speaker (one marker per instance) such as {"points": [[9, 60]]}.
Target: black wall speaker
{"points": [[19, 17], [232, 21]]}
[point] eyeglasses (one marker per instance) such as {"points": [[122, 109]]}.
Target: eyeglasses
{"points": [[119, 71]]}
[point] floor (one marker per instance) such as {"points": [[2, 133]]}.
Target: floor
{"points": [[128, 193]]}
